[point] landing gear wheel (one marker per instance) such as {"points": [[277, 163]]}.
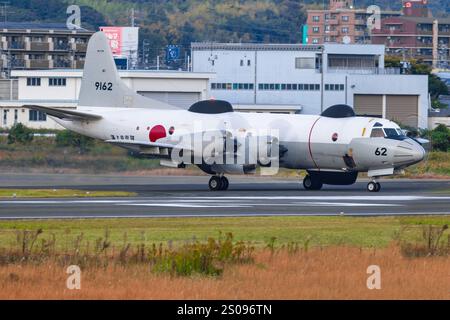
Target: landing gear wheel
{"points": [[215, 183], [224, 183], [312, 184], [378, 186], [373, 186]]}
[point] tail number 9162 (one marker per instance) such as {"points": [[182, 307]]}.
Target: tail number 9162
{"points": [[103, 86], [381, 152]]}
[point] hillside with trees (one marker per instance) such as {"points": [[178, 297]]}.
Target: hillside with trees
{"points": [[181, 22]]}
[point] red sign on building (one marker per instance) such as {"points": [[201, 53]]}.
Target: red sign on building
{"points": [[114, 35]]}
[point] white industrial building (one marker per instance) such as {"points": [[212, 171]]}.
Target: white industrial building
{"points": [[60, 88], [295, 78]]}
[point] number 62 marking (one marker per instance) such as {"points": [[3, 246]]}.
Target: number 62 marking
{"points": [[381, 152]]}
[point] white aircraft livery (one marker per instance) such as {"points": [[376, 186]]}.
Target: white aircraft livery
{"points": [[332, 147]]}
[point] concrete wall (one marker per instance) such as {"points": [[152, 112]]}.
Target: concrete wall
{"points": [[433, 122], [45, 92], [23, 117], [72, 88]]}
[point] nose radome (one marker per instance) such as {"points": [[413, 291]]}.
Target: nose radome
{"points": [[408, 152], [419, 152]]}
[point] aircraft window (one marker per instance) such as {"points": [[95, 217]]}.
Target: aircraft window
{"points": [[392, 133], [377, 133], [377, 124]]}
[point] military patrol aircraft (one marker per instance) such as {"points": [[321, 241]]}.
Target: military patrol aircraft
{"points": [[332, 147]]}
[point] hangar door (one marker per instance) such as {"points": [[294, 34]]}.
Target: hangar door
{"points": [[179, 99], [368, 105], [402, 109], [399, 108]]}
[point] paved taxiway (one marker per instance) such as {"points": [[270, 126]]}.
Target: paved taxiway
{"points": [[189, 196]]}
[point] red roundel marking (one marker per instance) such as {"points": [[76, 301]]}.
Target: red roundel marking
{"points": [[334, 137], [157, 132]]}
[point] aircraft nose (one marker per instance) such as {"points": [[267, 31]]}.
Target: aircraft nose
{"points": [[408, 152]]}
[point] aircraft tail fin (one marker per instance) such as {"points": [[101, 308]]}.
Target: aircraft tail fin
{"points": [[102, 86]]}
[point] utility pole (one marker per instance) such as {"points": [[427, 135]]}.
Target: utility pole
{"points": [[145, 53], [133, 24]]}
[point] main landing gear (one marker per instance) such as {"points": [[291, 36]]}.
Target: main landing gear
{"points": [[218, 183], [312, 184], [373, 186]]}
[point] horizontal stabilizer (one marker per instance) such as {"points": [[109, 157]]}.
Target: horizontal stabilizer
{"points": [[64, 113]]}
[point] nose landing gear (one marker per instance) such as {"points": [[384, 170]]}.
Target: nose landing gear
{"points": [[218, 183], [373, 186]]}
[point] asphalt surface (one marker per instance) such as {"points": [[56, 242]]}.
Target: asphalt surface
{"points": [[247, 196]]}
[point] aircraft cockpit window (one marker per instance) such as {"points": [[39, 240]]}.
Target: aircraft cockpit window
{"points": [[377, 133], [400, 132], [392, 133]]}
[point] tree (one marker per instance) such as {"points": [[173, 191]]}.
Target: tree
{"points": [[20, 133], [440, 138], [392, 62], [436, 86], [66, 138]]}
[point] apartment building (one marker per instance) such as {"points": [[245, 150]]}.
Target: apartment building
{"points": [[416, 34], [41, 46], [423, 38], [341, 22]]}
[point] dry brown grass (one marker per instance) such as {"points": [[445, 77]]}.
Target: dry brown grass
{"points": [[319, 273]]}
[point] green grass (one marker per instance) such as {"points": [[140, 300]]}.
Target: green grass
{"points": [[435, 164], [61, 193], [355, 231], [43, 154]]}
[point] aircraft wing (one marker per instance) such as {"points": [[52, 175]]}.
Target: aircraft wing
{"points": [[140, 144], [159, 150], [64, 114]]}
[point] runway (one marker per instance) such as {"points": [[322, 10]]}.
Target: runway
{"points": [[190, 197]]}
